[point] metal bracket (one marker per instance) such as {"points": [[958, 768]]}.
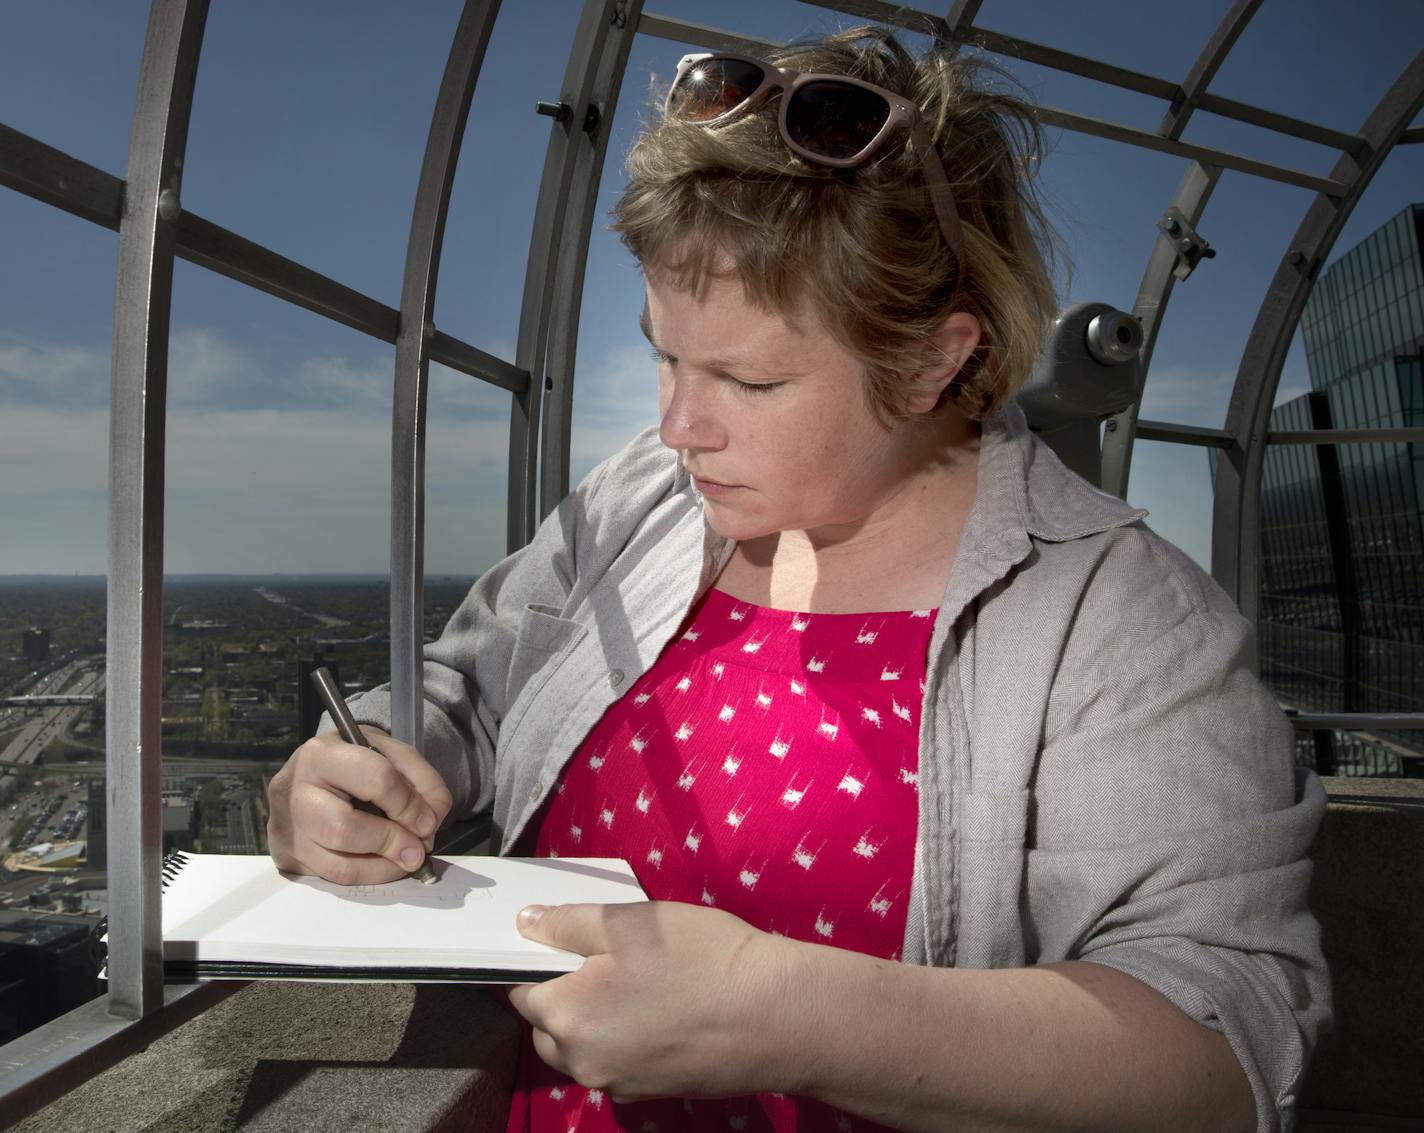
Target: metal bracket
{"points": [[563, 112], [1191, 248], [620, 15]]}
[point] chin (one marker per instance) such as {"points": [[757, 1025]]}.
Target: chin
{"points": [[730, 525]]}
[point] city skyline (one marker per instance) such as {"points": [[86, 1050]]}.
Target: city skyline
{"points": [[278, 432]]}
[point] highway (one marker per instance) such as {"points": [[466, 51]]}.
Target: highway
{"points": [[44, 724]]}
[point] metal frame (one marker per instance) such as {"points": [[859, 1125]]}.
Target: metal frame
{"points": [[145, 210], [134, 676], [1237, 495], [412, 366], [595, 77]]}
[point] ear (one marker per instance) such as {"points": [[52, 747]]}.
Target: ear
{"points": [[947, 350]]}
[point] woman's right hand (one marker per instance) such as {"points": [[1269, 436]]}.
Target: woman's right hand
{"points": [[315, 826]]}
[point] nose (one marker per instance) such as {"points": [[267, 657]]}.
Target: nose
{"points": [[688, 420]]}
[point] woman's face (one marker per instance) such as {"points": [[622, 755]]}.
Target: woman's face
{"points": [[770, 417]]}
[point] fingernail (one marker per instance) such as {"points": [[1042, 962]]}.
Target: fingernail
{"points": [[411, 857], [425, 824], [530, 914]]}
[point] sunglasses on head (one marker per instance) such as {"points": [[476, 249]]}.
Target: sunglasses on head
{"points": [[828, 120]]}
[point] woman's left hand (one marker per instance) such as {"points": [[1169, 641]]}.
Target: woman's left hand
{"points": [[674, 1000]]}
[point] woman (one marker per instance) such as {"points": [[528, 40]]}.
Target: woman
{"points": [[957, 798]]}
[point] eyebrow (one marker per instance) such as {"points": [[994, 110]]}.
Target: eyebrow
{"points": [[721, 365]]}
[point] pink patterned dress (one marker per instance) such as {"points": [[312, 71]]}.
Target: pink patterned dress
{"points": [[766, 764]]}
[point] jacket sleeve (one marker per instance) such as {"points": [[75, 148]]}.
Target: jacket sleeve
{"points": [[1171, 828], [498, 638]]}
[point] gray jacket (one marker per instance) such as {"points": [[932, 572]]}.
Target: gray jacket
{"points": [[1102, 777]]}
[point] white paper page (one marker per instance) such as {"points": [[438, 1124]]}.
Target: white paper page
{"points": [[239, 908]]}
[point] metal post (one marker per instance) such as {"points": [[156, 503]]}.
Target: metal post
{"points": [[1151, 304], [590, 147], [134, 694], [569, 167], [422, 265]]}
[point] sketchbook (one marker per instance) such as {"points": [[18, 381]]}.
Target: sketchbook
{"points": [[238, 917]]}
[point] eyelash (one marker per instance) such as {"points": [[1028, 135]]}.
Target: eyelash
{"points": [[750, 388]]}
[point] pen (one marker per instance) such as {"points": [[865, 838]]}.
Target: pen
{"points": [[346, 725]]}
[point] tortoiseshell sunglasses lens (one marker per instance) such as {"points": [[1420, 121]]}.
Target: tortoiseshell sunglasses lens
{"points": [[835, 120], [713, 87]]}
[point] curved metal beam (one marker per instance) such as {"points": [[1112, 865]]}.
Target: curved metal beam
{"points": [[1151, 303], [137, 409], [568, 162], [412, 369], [608, 66], [1213, 54], [1237, 496]]}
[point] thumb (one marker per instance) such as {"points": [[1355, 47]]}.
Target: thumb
{"points": [[574, 928]]}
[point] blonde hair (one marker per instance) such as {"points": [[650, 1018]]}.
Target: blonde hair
{"points": [[863, 246]]}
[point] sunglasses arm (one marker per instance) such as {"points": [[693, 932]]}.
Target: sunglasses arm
{"points": [[941, 195]]}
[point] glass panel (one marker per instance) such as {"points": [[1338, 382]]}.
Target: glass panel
{"points": [[466, 479], [321, 121], [67, 77], [276, 549], [56, 304], [1340, 61]]}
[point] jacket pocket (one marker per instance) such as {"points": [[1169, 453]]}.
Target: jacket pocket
{"points": [[543, 637]]}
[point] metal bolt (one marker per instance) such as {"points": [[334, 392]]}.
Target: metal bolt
{"points": [[168, 206], [549, 384], [1173, 226], [559, 111], [1111, 425], [1296, 257]]}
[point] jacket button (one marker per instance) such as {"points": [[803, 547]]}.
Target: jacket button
{"points": [[537, 792], [615, 678]]}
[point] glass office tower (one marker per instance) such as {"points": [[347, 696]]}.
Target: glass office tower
{"points": [[1342, 526]]}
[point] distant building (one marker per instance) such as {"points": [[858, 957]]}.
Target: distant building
{"points": [[1342, 526], [96, 832], [48, 968], [35, 645]]}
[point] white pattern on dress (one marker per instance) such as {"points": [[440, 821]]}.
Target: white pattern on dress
{"points": [[638, 742], [736, 817], [889, 674], [642, 698], [870, 716], [850, 785], [642, 801], [912, 778], [692, 841], [595, 762], [738, 615], [866, 848], [683, 684], [797, 687], [684, 732], [718, 668], [799, 624], [752, 645], [707, 897], [816, 664], [779, 747], [900, 710], [804, 857], [793, 795], [824, 927], [731, 763], [576, 832], [827, 728], [605, 816], [727, 712], [655, 857], [763, 699]]}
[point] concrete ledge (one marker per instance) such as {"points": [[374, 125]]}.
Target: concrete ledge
{"points": [[1368, 892], [338, 1057]]}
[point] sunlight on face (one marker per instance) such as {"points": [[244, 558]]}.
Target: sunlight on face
{"points": [[770, 416]]}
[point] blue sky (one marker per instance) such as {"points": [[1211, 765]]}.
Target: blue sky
{"points": [[307, 134]]}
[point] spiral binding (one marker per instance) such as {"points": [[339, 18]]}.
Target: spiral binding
{"points": [[173, 862]]}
